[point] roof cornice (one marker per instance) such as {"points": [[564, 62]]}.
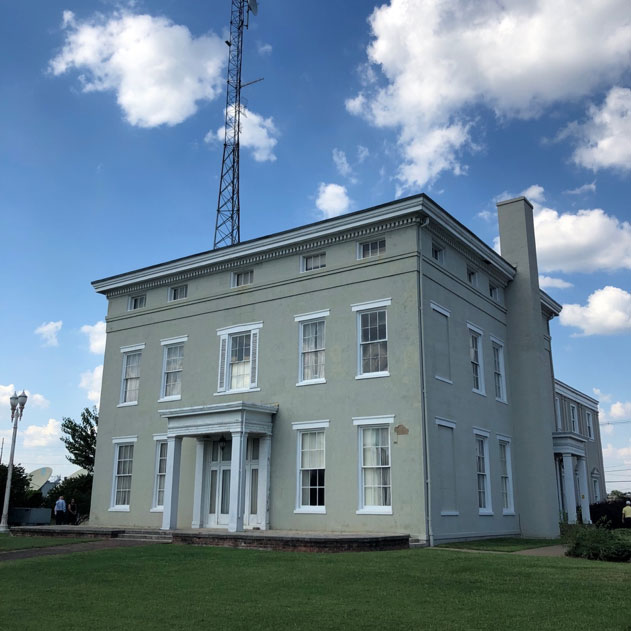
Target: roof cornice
{"points": [[576, 395]]}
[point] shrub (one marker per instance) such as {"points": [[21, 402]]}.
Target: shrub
{"points": [[611, 510], [597, 544]]}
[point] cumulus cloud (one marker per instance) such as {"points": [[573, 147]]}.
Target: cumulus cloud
{"points": [[610, 452], [264, 49], [620, 411], [581, 190], [96, 334], [42, 436], [607, 312], [341, 163], [332, 200], [548, 282], [604, 140], [91, 383], [48, 332], [362, 153], [158, 70], [434, 61], [38, 400], [258, 134]]}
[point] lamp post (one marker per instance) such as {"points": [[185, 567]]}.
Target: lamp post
{"points": [[17, 409]]}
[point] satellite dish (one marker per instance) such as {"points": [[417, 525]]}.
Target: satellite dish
{"points": [[253, 6], [77, 473], [39, 477]]}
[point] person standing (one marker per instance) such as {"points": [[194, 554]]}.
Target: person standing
{"points": [[60, 511], [626, 515], [72, 512]]}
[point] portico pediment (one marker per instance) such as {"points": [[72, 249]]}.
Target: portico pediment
{"points": [[568, 443]]}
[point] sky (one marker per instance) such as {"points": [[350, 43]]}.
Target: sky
{"points": [[111, 132]]}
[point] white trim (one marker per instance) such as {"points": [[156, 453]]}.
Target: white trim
{"points": [[132, 348], [308, 255], [118, 442], [302, 322], [482, 432], [171, 289], [443, 379], [510, 510], [159, 437], [437, 307], [314, 510], [314, 315], [373, 375], [445, 423], [174, 340], [371, 304], [369, 242], [502, 372], [234, 275], [173, 397], [155, 507], [124, 439], [224, 392], [311, 382], [484, 436], [375, 510], [239, 328], [373, 420], [119, 509], [133, 297], [128, 404], [475, 328], [369, 422], [304, 425]]}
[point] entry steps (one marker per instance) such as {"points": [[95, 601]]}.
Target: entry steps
{"points": [[146, 535]]}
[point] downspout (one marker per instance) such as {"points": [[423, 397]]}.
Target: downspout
{"points": [[425, 429]]}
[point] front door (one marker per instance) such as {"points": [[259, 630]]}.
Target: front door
{"points": [[219, 483]]}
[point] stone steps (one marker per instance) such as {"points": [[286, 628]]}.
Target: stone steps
{"points": [[146, 535]]}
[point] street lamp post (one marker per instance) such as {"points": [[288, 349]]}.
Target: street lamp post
{"points": [[17, 409]]}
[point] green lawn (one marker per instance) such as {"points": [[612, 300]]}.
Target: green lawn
{"points": [[9, 543], [506, 544], [184, 587]]}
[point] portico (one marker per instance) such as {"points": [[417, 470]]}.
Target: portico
{"points": [[571, 473], [232, 464]]}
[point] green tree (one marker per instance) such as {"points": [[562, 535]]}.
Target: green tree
{"points": [[78, 487], [80, 438], [19, 486]]}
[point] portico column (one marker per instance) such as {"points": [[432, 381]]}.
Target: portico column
{"points": [[568, 484], [237, 481], [265, 443], [172, 483], [199, 479], [582, 476]]}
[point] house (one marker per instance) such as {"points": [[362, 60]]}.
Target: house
{"points": [[381, 371]]}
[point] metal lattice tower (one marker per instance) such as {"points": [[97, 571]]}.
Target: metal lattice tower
{"points": [[227, 231]]}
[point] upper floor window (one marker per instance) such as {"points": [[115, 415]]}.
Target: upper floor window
{"points": [[590, 424], [557, 414], [239, 279], [177, 293], [136, 302], [372, 331], [130, 381], [498, 370], [477, 363], [172, 366], [238, 357], [438, 253], [311, 347], [313, 261], [574, 417], [472, 277], [496, 293], [371, 248]]}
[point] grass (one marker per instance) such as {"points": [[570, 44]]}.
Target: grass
{"points": [[184, 587], [506, 544], [9, 543]]}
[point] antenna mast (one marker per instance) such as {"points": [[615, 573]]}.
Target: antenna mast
{"points": [[227, 231]]}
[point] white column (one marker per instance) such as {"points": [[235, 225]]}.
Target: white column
{"points": [[265, 443], [172, 483], [568, 487], [237, 481], [582, 477], [199, 484]]}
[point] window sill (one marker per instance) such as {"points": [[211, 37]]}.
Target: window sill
{"points": [[504, 401], [482, 393], [373, 375], [375, 510], [221, 394], [176, 397], [314, 510], [118, 509], [157, 509], [449, 513], [127, 404], [311, 382], [508, 512], [485, 513], [443, 379]]}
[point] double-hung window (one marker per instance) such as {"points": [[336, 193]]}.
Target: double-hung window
{"points": [[499, 376], [477, 362], [311, 344], [371, 248], [178, 293], [311, 262], [172, 367], [506, 476], [130, 382], [136, 302], [557, 414], [372, 331], [123, 463], [238, 357], [472, 277], [311, 466], [574, 417], [160, 473], [438, 253], [375, 484], [590, 424], [240, 279], [482, 472]]}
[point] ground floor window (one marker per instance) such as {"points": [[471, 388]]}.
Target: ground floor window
{"points": [[123, 464], [482, 473], [160, 474], [374, 464]]}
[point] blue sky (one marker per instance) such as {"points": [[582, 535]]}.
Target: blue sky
{"points": [[110, 160]]}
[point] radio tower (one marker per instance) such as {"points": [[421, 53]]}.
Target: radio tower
{"points": [[227, 230]]}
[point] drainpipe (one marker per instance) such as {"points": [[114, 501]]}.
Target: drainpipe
{"points": [[425, 430]]}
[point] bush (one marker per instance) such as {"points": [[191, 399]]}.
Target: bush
{"points": [[612, 511], [598, 544]]}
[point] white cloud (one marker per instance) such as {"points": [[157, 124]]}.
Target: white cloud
{"points": [[264, 49], [6, 392], [96, 333], [42, 436], [610, 452], [604, 141], [362, 153], [602, 396], [91, 383], [548, 282], [332, 200], [48, 332], [341, 163], [158, 69], [581, 190], [257, 134], [620, 411], [608, 312], [437, 60]]}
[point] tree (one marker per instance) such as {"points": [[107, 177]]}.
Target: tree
{"points": [[80, 438], [19, 486], [78, 487]]}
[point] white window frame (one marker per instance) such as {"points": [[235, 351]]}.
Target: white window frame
{"points": [[225, 335], [479, 334], [508, 476], [497, 343], [166, 344], [301, 428], [589, 422], [118, 442], [557, 414], [321, 256], [481, 434], [447, 313], [367, 307], [373, 242], [438, 253], [472, 277], [126, 351], [309, 318], [596, 487], [574, 418], [242, 278], [496, 293], [131, 302], [175, 291], [372, 422], [160, 440]]}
